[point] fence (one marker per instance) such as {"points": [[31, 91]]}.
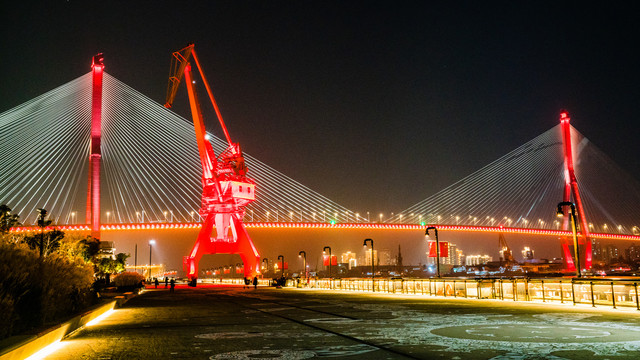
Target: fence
{"points": [[608, 292]]}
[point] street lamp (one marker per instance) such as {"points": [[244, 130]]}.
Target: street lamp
{"points": [[574, 230], [151, 242], [372, 269], [302, 254], [42, 214], [437, 247], [323, 251]]}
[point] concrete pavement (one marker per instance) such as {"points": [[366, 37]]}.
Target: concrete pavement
{"points": [[230, 322]]}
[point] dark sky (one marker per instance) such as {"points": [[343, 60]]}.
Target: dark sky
{"points": [[375, 105]]}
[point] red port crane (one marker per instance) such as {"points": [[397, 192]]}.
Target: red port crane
{"points": [[226, 189]]}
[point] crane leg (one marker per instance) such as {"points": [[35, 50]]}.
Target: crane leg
{"points": [[246, 249], [201, 247]]}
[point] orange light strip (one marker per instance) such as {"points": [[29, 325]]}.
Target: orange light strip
{"points": [[369, 226]]}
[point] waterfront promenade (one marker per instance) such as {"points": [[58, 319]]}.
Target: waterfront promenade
{"points": [[232, 322]]}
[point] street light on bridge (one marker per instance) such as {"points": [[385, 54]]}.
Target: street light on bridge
{"points": [[373, 288], [437, 247], [574, 230], [324, 252]]}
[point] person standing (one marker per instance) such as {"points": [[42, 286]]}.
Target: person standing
{"points": [[166, 281], [255, 282], [173, 285]]}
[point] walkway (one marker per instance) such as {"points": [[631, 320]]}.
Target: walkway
{"points": [[230, 322]]}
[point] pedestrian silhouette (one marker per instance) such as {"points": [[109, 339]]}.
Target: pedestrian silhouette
{"points": [[156, 282], [166, 282], [173, 285], [255, 282]]}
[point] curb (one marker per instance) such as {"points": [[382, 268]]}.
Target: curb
{"points": [[23, 346]]}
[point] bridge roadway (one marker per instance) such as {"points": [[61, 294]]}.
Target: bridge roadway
{"points": [[232, 322]]}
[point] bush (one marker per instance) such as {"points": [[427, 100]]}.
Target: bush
{"points": [[36, 291], [128, 279]]}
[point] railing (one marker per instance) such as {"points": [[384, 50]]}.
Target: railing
{"points": [[596, 291]]}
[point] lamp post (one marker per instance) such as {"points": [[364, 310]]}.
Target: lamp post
{"points": [[42, 213], [324, 251], [372, 269], [151, 243], [574, 230], [303, 255], [437, 248], [281, 264]]}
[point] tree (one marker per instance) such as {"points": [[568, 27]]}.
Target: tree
{"points": [[7, 219], [48, 241], [107, 266], [91, 248], [121, 262], [85, 248]]}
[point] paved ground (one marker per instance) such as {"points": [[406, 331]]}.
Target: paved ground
{"points": [[227, 322]]}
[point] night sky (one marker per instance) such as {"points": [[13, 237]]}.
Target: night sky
{"points": [[376, 105]]}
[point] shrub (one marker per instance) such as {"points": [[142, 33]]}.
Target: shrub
{"points": [[34, 291], [128, 280]]}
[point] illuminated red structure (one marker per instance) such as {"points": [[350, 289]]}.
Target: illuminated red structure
{"points": [[93, 191], [571, 187], [226, 190]]}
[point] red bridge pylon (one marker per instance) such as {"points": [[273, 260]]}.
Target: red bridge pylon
{"points": [[571, 188]]}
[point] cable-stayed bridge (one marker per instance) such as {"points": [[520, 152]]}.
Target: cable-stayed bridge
{"points": [[151, 176]]}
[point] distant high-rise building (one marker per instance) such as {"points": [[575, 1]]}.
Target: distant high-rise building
{"points": [[527, 253], [453, 258], [345, 257], [399, 258], [633, 253], [367, 257], [477, 259], [385, 257], [611, 253], [596, 250], [460, 258]]}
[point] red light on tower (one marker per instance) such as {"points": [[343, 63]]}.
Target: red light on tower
{"points": [[564, 115]]}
